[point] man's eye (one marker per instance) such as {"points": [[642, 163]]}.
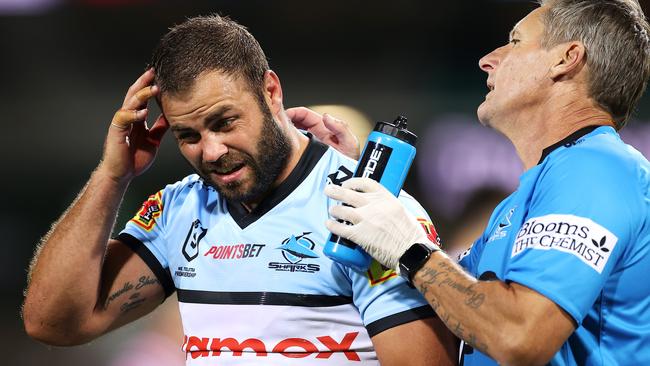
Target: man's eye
{"points": [[223, 124], [228, 121], [188, 138]]}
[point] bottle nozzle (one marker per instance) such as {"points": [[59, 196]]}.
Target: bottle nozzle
{"points": [[400, 122]]}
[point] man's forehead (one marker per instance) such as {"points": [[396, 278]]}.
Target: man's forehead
{"points": [[209, 89], [528, 21]]}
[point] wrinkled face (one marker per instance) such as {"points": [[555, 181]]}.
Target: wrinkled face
{"points": [[231, 142], [517, 73]]}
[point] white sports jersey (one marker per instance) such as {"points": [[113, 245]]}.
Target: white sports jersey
{"points": [[255, 288]]}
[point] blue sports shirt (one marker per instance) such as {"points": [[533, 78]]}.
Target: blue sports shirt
{"points": [[577, 230]]}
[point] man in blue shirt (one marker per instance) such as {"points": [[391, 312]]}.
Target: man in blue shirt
{"points": [[560, 274]]}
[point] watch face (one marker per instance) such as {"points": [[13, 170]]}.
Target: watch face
{"points": [[417, 252], [413, 259]]}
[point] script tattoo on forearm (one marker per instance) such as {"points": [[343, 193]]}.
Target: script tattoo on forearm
{"points": [[446, 275], [124, 289], [134, 300]]}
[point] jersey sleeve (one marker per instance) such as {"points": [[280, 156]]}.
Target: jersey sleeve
{"points": [[383, 298], [145, 235], [470, 256], [580, 221]]}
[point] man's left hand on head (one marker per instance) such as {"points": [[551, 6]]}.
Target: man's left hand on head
{"points": [[379, 222]]}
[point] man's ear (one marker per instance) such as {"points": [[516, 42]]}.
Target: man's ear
{"points": [[273, 91], [570, 59]]}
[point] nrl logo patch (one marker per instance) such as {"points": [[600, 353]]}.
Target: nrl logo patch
{"points": [[149, 212], [194, 236]]}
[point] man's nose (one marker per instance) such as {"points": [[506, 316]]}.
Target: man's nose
{"points": [[214, 147], [490, 61]]}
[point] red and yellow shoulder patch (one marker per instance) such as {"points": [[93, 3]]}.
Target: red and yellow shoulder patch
{"points": [[428, 227], [149, 212], [378, 274]]}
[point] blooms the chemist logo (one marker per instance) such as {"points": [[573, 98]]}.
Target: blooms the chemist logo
{"points": [[579, 236]]}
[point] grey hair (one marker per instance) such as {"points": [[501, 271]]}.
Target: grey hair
{"points": [[615, 34]]}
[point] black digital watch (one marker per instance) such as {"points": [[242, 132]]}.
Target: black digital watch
{"points": [[413, 259]]}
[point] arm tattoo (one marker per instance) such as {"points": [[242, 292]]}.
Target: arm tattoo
{"points": [[145, 281], [125, 288], [133, 302], [448, 276]]}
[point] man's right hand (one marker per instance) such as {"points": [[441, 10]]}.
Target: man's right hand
{"points": [[131, 146]]}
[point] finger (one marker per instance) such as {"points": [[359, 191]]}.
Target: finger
{"points": [[345, 213], [295, 112], [304, 118], [144, 80], [340, 129], [157, 131], [141, 97], [365, 185], [347, 196], [338, 228], [124, 118]]}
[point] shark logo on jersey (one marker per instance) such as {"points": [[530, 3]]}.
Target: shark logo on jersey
{"points": [[192, 240], [505, 223], [294, 250]]}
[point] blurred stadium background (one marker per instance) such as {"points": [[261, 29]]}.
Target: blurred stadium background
{"points": [[65, 66]]}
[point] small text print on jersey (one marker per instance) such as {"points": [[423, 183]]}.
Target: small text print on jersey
{"points": [[197, 347], [297, 250], [149, 212], [579, 236]]}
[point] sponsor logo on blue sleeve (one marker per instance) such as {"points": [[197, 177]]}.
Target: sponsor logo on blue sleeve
{"points": [[575, 235]]}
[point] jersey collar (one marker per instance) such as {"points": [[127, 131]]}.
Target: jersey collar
{"points": [[306, 164], [567, 141]]}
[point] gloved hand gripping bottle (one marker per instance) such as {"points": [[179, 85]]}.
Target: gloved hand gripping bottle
{"points": [[386, 158]]}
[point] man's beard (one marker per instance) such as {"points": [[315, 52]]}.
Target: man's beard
{"points": [[273, 150]]}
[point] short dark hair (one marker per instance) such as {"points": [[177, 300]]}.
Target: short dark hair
{"points": [[616, 36], [207, 43]]}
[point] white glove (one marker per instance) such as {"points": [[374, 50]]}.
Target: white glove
{"points": [[381, 225]]}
